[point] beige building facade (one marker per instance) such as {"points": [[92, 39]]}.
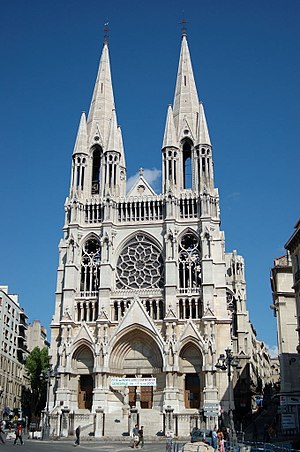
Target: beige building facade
{"points": [[284, 304], [145, 289], [13, 351], [36, 336], [285, 290]]}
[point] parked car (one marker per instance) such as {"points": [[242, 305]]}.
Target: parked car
{"points": [[201, 435]]}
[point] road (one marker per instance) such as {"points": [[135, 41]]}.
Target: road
{"points": [[68, 445]]}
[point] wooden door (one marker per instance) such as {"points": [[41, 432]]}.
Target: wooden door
{"points": [[132, 396], [146, 396], [85, 392], [192, 391]]}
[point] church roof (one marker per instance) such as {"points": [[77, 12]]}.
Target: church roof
{"points": [[141, 187]]}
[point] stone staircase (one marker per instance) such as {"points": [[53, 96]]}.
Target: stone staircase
{"points": [[116, 426]]}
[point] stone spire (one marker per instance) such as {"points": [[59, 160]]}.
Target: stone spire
{"points": [[113, 138], [102, 103], [186, 102], [121, 148], [203, 135], [81, 139], [170, 138]]}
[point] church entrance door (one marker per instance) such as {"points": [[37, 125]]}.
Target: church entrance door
{"points": [[192, 391], [85, 392], [146, 395]]}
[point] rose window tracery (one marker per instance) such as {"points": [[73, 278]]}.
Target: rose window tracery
{"points": [[140, 265]]}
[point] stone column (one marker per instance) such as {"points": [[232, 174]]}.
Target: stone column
{"points": [[169, 427], [99, 427], [65, 413], [133, 419]]}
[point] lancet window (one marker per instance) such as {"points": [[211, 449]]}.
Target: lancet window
{"points": [[79, 164], [140, 265], [187, 164], [96, 170], [189, 258], [190, 308], [90, 267]]}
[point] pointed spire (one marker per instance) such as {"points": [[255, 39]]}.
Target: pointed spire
{"points": [[186, 102], [203, 135], [121, 148], [102, 102], [81, 139], [113, 138], [170, 138]]}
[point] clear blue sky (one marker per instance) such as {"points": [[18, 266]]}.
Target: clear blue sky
{"points": [[246, 62]]}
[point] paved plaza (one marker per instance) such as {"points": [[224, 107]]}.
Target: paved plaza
{"points": [[68, 445]]}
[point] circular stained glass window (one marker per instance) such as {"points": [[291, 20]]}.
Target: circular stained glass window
{"points": [[140, 265]]}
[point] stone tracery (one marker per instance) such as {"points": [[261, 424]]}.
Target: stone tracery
{"points": [[140, 265]]}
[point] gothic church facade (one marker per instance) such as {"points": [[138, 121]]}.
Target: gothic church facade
{"points": [[145, 288]]}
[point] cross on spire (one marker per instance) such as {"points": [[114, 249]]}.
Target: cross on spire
{"points": [[106, 32], [184, 22]]}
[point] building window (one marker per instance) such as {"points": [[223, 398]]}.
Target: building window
{"points": [[189, 263], [90, 266], [140, 265], [96, 170], [187, 164]]}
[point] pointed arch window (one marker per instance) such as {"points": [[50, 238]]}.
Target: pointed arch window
{"points": [[90, 267], [189, 257], [96, 170], [187, 164], [79, 164]]}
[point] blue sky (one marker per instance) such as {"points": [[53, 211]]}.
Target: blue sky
{"points": [[246, 63]]}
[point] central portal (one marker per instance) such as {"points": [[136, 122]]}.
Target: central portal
{"points": [[144, 393]]}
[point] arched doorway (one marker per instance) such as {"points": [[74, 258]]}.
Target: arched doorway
{"points": [[137, 355], [83, 363], [85, 392], [191, 368]]}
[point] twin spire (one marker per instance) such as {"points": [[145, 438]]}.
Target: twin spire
{"points": [[187, 118]]}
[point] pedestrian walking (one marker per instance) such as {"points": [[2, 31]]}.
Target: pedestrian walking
{"points": [[77, 433], [2, 432], [18, 432], [141, 436], [135, 437], [169, 441], [214, 439]]}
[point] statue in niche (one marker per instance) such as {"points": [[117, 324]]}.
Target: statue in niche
{"points": [[67, 314]]}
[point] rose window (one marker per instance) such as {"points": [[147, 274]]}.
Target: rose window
{"points": [[140, 265]]}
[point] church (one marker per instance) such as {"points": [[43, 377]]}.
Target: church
{"points": [[147, 299]]}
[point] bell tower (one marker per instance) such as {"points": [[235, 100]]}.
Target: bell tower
{"points": [[186, 149]]}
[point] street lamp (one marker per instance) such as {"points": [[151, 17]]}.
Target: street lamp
{"points": [[229, 362], [46, 426]]}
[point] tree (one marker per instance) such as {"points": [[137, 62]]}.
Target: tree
{"points": [[38, 366]]}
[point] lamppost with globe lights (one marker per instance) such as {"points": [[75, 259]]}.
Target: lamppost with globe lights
{"points": [[228, 362]]}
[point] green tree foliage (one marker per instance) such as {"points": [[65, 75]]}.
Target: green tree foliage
{"points": [[38, 366]]}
